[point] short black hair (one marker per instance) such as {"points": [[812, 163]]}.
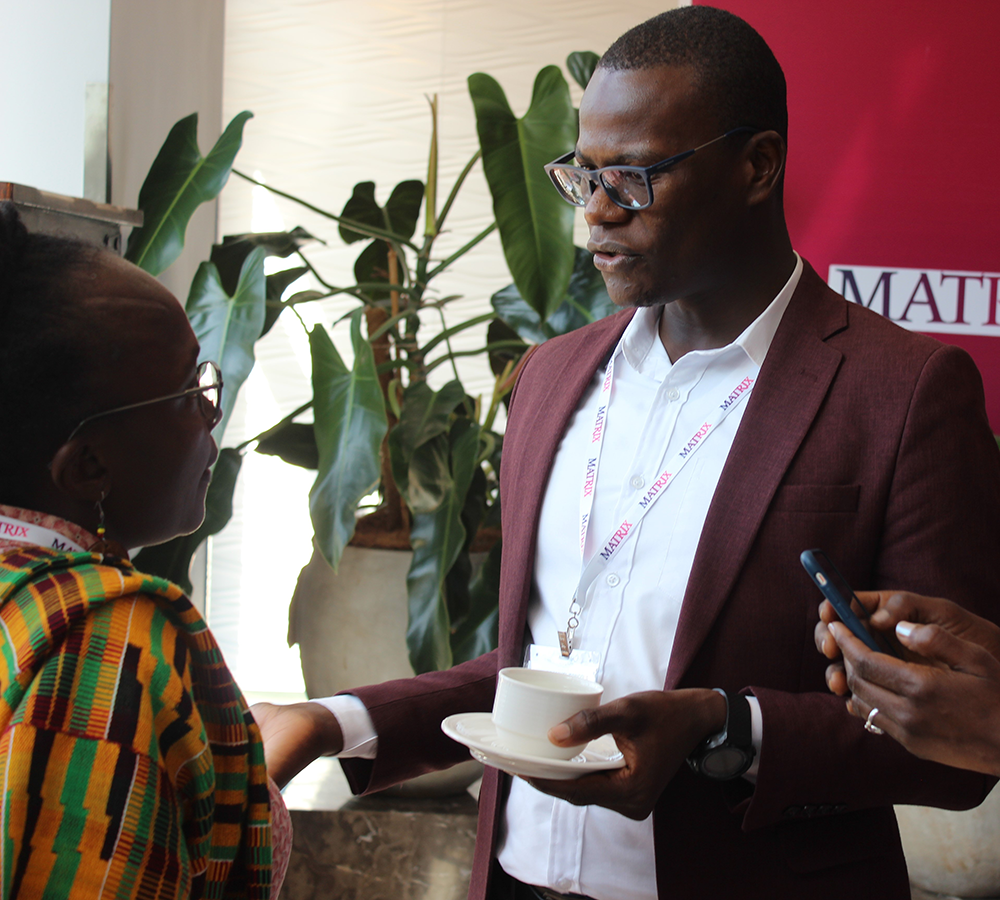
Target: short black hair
{"points": [[44, 360], [732, 63]]}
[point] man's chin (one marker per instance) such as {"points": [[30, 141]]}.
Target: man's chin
{"points": [[629, 296]]}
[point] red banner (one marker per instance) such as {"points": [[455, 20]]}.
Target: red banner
{"points": [[893, 186]]}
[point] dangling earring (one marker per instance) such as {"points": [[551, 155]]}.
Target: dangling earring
{"points": [[104, 546], [100, 520]]}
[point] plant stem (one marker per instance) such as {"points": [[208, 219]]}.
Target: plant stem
{"points": [[497, 395], [374, 317], [359, 227], [461, 251], [454, 191], [430, 197], [496, 345], [446, 333]]}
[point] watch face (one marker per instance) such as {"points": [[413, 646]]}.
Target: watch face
{"points": [[724, 762]]}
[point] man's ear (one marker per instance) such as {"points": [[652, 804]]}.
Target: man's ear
{"points": [[78, 472], [765, 155]]}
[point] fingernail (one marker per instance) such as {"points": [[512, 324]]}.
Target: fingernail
{"points": [[834, 628], [880, 616], [904, 629], [559, 732]]}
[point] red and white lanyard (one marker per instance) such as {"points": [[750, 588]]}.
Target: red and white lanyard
{"points": [[28, 533], [726, 401]]}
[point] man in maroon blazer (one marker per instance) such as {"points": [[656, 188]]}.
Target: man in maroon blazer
{"points": [[858, 437]]}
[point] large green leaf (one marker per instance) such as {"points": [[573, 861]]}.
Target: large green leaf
{"points": [[179, 181], [227, 326], [428, 476], [581, 65], [437, 539], [295, 444], [371, 267], [235, 248], [460, 575], [172, 559], [425, 415], [477, 634], [586, 301], [535, 223], [399, 215], [275, 285], [350, 422]]}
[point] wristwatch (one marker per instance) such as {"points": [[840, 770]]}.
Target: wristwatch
{"points": [[729, 753]]}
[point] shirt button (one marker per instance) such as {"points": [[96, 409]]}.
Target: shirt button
{"points": [[673, 394], [613, 580], [637, 481]]}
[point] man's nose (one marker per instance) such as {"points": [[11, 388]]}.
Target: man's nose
{"points": [[600, 210]]}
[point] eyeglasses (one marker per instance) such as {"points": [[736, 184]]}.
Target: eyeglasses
{"points": [[626, 186], [209, 390]]}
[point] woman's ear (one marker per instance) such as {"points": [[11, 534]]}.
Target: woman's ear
{"points": [[78, 472]]}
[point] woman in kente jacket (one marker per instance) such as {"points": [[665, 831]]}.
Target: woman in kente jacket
{"points": [[130, 764]]}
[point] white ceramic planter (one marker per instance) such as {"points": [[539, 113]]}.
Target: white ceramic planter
{"points": [[351, 631], [953, 853]]}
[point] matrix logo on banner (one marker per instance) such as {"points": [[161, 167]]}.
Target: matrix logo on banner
{"points": [[935, 300]]}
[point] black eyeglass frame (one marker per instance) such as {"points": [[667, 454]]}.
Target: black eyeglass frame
{"points": [[201, 389], [596, 175]]}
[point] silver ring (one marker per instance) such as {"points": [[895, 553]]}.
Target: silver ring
{"points": [[870, 726]]}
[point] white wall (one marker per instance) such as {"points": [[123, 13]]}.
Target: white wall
{"points": [[166, 62], [51, 50]]}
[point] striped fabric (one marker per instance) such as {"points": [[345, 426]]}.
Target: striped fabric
{"points": [[130, 765]]}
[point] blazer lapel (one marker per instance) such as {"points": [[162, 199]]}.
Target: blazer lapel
{"points": [[794, 379], [559, 376]]}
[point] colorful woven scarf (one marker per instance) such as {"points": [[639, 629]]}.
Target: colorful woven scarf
{"points": [[127, 753]]}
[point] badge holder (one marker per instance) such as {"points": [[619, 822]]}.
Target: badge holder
{"points": [[582, 663]]}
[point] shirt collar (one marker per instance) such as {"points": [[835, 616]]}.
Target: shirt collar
{"points": [[637, 342]]}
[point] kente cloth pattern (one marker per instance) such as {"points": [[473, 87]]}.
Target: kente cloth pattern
{"points": [[130, 764]]}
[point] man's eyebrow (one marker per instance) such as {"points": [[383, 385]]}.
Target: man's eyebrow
{"points": [[619, 159]]}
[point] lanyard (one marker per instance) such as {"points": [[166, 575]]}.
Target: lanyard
{"points": [[726, 402], [16, 530]]}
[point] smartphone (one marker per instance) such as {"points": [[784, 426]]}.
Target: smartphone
{"points": [[836, 589]]}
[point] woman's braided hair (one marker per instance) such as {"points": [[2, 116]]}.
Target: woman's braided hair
{"points": [[43, 352]]}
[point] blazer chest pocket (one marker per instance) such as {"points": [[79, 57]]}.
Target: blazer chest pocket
{"points": [[817, 498]]}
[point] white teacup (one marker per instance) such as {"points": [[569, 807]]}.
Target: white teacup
{"points": [[530, 701]]}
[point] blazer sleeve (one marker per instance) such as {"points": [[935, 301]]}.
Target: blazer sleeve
{"points": [[407, 715], [941, 536]]}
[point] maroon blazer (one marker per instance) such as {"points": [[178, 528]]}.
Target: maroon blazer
{"points": [[860, 438]]}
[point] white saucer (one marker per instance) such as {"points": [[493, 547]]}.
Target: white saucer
{"points": [[477, 732]]}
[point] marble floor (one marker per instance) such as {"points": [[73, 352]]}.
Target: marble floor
{"points": [[376, 848], [382, 847]]}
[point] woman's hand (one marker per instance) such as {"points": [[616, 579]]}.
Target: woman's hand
{"points": [[295, 735], [887, 609], [942, 702]]}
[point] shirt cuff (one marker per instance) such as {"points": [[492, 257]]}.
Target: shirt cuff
{"points": [[360, 738], [756, 735]]}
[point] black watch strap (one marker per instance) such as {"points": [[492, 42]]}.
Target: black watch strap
{"points": [[729, 753], [738, 721]]}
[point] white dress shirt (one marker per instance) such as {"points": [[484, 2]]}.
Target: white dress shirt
{"points": [[631, 610]]}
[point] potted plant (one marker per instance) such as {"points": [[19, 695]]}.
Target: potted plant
{"points": [[377, 423]]}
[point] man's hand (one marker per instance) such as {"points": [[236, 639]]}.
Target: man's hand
{"points": [[295, 735], [655, 731], [945, 708], [887, 609]]}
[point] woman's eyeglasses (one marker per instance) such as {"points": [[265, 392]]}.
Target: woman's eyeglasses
{"points": [[629, 187], [209, 391]]}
